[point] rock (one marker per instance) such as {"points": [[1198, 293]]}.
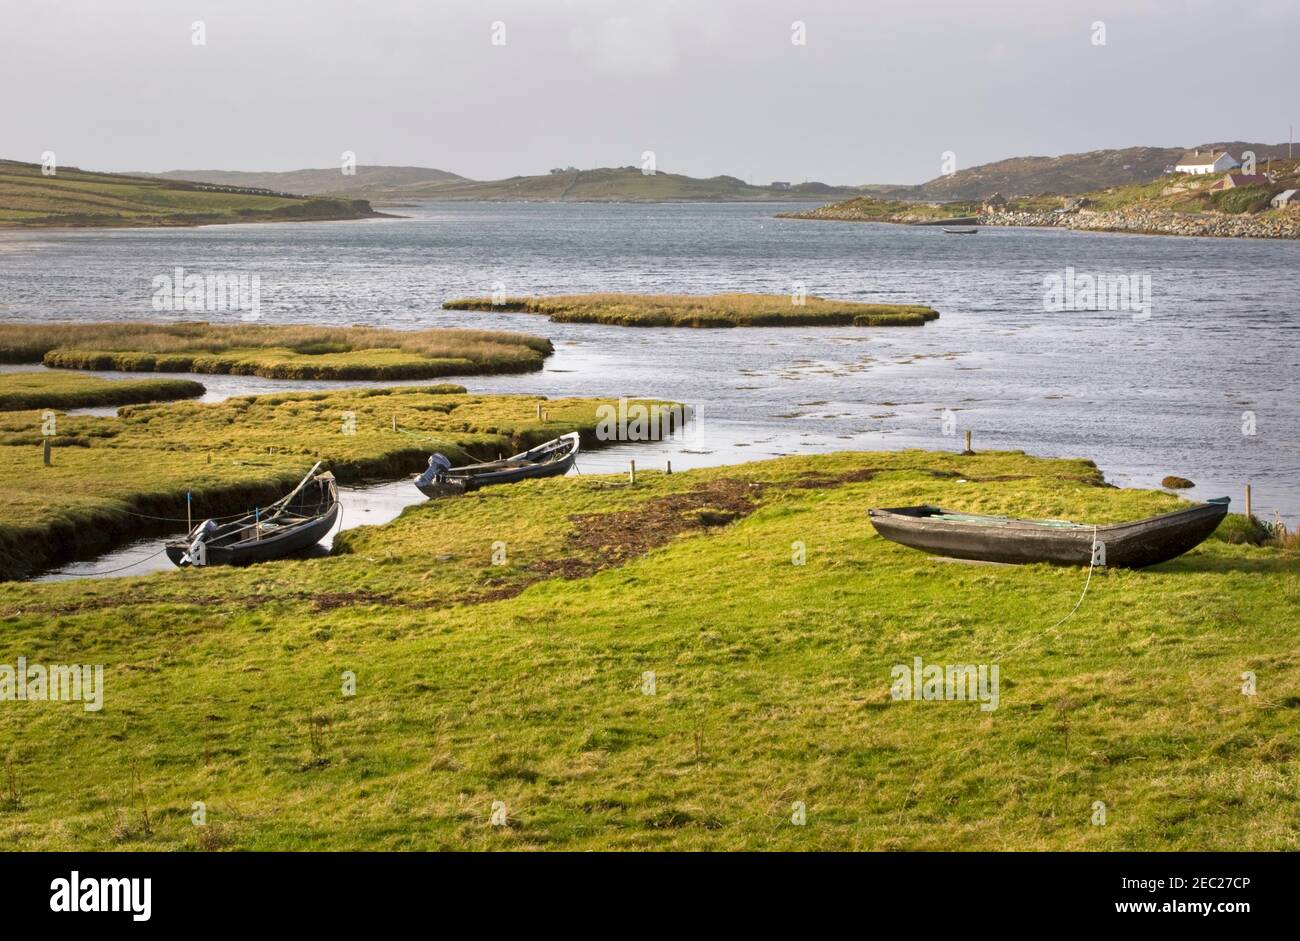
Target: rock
{"points": [[1176, 483]]}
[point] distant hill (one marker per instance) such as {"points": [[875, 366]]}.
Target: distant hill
{"points": [[1168, 204], [367, 181], [1070, 173], [75, 197], [607, 184]]}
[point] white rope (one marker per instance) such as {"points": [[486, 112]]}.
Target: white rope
{"points": [[1092, 563]]}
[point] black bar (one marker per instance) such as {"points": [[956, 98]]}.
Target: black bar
{"points": [[306, 889]]}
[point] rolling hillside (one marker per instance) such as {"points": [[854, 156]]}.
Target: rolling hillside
{"points": [[1069, 173], [607, 184], [74, 197], [367, 181]]}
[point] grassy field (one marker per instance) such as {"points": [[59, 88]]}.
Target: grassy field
{"points": [[73, 197], [874, 209], [290, 351], [524, 688], [704, 310], [112, 478], [45, 390]]}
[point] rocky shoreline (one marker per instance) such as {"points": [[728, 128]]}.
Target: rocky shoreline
{"points": [[1157, 222], [1272, 225]]}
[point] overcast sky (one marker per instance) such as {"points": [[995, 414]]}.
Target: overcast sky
{"points": [[876, 95]]}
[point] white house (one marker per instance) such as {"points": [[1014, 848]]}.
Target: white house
{"points": [[1284, 199], [1208, 162]]}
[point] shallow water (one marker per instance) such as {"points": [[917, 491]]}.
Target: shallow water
{"points": [[1143, 398]]}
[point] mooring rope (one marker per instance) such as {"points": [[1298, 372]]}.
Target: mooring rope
{"points": [[1092, 563], [122, 568], [181, 519]]}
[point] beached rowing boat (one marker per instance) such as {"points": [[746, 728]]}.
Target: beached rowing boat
{"points": [[1061, 542], [292, 524], [546, 460]]}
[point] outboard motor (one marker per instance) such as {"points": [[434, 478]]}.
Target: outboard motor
{"points": [[438, 465], [195, 555]]}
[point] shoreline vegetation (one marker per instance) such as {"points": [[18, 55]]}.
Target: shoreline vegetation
{"points": [[45, 390], [1175, 204], [1135, 700], [70, 197], [288, 351], [705, 310], [114, 479]]}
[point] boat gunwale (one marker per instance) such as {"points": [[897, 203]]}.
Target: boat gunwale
{"points": [[1002, 523]]}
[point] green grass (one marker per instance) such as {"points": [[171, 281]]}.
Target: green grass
{"points": [[1244, 199], [111, 477], [705, 310], [873, 209], [290, 351], [45, 390], [523, 682], [73, 197]]}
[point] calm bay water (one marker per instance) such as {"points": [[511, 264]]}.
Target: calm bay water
{"points": [[1143, 398]]}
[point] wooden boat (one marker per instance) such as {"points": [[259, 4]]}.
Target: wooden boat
{"points": [[292, 524], [546, 460], [961, 231], [1002, 539]]}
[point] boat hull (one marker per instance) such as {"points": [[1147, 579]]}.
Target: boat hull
{"points": [[1018, 542], [288, 527], [280, 546], [526, 466]]}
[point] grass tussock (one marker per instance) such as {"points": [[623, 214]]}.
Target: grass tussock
{"points": [[681, 689], [705, 310], [46, 390], [289, 351]]}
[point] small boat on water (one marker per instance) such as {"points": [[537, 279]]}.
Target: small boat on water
{"points": [[551, 459], [292, 524], [1060, 542], [965, 231]]}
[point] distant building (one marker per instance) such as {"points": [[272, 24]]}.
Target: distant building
{"points": [[1194, 161], [1284, 199], [1234, 180], [780, 185]]}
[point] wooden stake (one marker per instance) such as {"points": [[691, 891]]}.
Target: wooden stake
{"points": [[670, 467], [968, 450], [631, 472], [47, 452], [394, 423], [539, 411], [1248, 513], [189, 512]]}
